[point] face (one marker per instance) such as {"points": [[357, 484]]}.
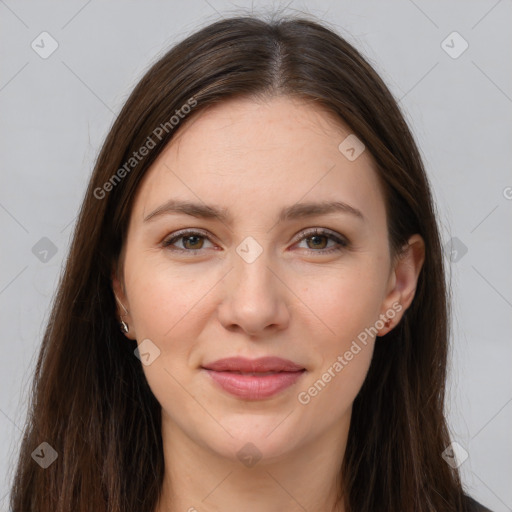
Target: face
{"points": [[260, 267]]}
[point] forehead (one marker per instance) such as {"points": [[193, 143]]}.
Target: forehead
{"points": [[247, 153]]}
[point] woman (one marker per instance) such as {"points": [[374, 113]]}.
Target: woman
{"points": [[253, 314]]}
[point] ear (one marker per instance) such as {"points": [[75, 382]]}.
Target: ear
{"points": [[122, 307], [402, 282]]}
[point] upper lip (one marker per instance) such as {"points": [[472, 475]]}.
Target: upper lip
{"points": [[262, 364]]}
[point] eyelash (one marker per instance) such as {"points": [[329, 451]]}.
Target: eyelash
{"points": [[342, 243]]}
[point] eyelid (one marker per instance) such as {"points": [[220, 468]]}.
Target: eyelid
{"points": [[341, 241], [308, 232], [186, 232]]}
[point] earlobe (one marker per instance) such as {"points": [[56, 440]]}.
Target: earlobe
{"points": [[122, 312], [123, 325], [404, 280]]}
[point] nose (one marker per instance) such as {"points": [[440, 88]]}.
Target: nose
{"points": [[255, 299]]}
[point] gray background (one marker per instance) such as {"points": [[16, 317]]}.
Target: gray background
{"points": [[56, 111]]}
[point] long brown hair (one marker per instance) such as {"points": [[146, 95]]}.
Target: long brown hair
{"points": [[90, 400]]}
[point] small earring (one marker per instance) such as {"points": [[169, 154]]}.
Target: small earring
{"points": [[122, 324], [387, 323]]}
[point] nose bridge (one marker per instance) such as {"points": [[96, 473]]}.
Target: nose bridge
{"points": [[251, 272], [254, 298]]}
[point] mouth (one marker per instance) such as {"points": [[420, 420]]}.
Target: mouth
{"points": [[253, 374], [261, 365], [254, 379]]}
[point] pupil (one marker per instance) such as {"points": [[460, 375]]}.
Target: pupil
{"points": [[318, 241], [194, 239]]}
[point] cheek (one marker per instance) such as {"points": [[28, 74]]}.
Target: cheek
{"points": [[170, 307], [168, 302], [333, 389], [345, 307], [342, 304]]}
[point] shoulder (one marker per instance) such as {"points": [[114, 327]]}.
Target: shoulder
{"points": [[473, 506]]}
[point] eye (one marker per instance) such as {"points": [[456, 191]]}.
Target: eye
{"points": [[191, 241], [317, 241]]}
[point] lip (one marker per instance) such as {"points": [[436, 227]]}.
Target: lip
{"points": [[260, 365], [254, 379]]}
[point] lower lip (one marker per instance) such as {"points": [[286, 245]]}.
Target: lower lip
{"points": [[251, 387]]}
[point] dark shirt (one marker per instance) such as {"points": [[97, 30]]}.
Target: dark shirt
{"points": [[474, 506]]}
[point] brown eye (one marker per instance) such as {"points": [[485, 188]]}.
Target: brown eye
{"points": [[322, 241], [186, 241], [193, 242], [317, 241]]}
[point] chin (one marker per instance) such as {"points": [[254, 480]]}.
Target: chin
{"points": [[266, 438]]}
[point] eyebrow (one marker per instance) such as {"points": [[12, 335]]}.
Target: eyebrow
{"points": [[295, 211]]}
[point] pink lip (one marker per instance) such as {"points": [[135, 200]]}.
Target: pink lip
{"points": [[238, 376]]}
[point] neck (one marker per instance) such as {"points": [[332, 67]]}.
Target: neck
{"points": [[200, 480]]}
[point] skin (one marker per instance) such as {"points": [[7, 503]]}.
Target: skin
{"points": [[295, 301]]}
